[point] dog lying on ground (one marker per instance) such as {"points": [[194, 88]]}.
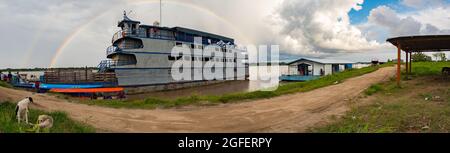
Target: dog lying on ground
{"points": [[44, 122], [22, 109]]}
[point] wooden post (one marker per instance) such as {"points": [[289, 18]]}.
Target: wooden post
{"points": [[407, 65], [86, 74], [398, 64], [410, 62]]}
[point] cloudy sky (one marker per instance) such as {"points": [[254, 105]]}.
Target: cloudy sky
{"points": [[42, 33]]}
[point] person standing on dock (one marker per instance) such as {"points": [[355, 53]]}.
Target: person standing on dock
{"points": [[8, 79], [37, 85]]}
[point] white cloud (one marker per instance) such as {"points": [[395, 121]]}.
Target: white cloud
{"points": [[437, 16], [387, 17], [422, 3], [321, 27], [407, 24], [34, 29]]}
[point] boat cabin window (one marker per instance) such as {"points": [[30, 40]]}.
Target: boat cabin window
{"points": [[173, 58], [130, 44], [123, 60]]}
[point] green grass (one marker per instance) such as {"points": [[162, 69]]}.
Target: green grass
{"points": [[374, 89], [151, 103], [420, 105], [428, 68], [5, 84], [404, 115], [62, 123]]}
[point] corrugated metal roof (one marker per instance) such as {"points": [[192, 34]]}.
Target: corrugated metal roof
{"points": [[201, 33], [324, 61], [424, 43]]}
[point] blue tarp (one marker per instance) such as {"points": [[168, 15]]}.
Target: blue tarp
{"points": [[69, 86]]}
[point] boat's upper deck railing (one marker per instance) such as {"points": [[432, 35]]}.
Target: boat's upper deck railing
{"points": [[107, 64], [112, 49], [141, 33], [145, 33]]}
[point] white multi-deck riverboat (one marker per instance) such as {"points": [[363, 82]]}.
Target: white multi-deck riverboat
{"points": [[141, 59]]}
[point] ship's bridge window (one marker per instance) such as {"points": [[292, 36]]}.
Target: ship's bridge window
{"points": [[131, 44], [134, 28]]}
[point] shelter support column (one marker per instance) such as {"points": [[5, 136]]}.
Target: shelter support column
{"points": [[407, 62], [398, 64], [410, 62]]}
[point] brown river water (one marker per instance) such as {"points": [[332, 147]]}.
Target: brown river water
{"points": [[212, 90]]}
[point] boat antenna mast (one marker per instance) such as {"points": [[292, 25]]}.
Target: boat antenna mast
{"points": [[160, 12], [125, 14]]}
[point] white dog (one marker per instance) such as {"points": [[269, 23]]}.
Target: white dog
{"points": [[22, 109], [44, 122]]}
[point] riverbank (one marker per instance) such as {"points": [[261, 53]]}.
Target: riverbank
{"points": [[288, 88], [5, 84], [421, 104]]}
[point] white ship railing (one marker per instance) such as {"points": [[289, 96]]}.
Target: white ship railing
{"points": [[141, 33], [107, 64], [112, 49]]}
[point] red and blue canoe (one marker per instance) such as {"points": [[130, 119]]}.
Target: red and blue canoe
{"points": [[87, 90]]}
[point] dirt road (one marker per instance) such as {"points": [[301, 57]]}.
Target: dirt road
{"points": [[289, 113]]}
